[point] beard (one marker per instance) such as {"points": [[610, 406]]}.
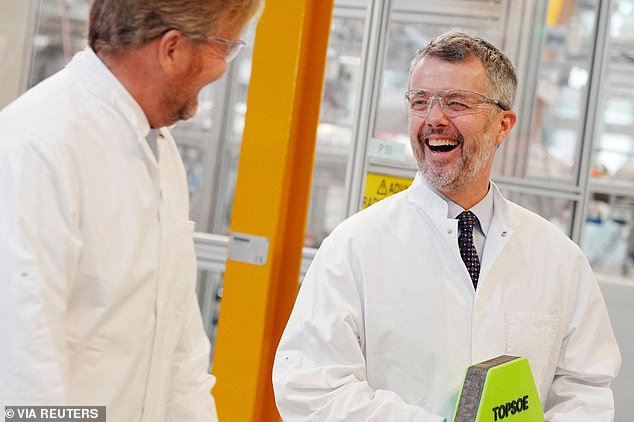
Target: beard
{"points": [[454, 177], [176, 107], [178, 102], [188, 109]]}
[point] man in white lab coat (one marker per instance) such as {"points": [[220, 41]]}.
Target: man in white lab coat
{"points": [[391, 311], [97, 266]]}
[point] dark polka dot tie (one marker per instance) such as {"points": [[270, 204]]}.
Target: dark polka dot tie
{"points": [[466, 221]]}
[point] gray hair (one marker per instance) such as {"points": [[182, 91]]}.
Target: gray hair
{"points": [[120, 25], [458, 47]]}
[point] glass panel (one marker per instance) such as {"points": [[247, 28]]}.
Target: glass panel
{"points": [[334, 133], [195, 142], [61, 32], [613, 152], [554, 140], [608, 238], [558, 211]]}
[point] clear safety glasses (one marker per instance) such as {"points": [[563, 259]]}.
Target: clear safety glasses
{"points": [[230, 48], [454, 102]]}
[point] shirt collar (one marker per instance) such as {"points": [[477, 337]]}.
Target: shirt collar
{"points": [[483, 210]]}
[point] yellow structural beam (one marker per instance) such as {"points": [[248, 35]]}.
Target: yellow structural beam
{"points": [[271, 200]]}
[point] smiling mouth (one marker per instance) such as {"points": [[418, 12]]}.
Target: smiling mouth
{"points": [[441, 145]]}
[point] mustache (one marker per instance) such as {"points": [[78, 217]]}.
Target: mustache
{"points": [[444, 132]]}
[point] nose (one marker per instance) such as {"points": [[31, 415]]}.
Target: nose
{"points": [[435, 113]]}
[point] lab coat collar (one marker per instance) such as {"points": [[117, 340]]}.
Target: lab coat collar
{"points": [[92, 74], [421, 194], [427, 199], [500, 209]]}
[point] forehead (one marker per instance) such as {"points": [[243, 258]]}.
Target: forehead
{"points": [[436, 74]]}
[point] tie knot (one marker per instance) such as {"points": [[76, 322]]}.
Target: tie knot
{"points": [[466, 220]]}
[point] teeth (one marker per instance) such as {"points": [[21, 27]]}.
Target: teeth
{"points": [[442, 142]]}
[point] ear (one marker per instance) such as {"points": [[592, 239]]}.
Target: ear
{"points": [[507, 121], [170, 49]]}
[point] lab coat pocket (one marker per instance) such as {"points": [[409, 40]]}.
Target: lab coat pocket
{"points": [[534, 337]]}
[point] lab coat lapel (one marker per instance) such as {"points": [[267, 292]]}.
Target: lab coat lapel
{"points": [[498, 235], [436, 209]]}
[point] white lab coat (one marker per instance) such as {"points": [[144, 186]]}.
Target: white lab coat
{"points": [[387, 320], [97, 266]]}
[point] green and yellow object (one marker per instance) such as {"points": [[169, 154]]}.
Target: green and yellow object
{"points": [[499, 389]]}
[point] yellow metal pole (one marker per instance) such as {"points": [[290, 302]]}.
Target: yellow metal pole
{"points": [[271, 201]]}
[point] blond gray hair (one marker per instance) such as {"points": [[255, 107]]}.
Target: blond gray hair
{"points": [[120, 25]]}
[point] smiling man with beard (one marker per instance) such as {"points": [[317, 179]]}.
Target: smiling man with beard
{"points": [[406, 294]]}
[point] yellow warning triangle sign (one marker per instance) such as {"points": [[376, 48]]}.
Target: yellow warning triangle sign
{"points": [[382, 189]]}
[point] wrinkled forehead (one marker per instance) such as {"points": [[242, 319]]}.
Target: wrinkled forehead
{"points": [[436, 74]]}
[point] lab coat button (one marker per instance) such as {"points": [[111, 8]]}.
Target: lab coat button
{"points": [[449, 231], [504, 234]]}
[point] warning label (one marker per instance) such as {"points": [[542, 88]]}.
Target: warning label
{"points": [[380, 186]]}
